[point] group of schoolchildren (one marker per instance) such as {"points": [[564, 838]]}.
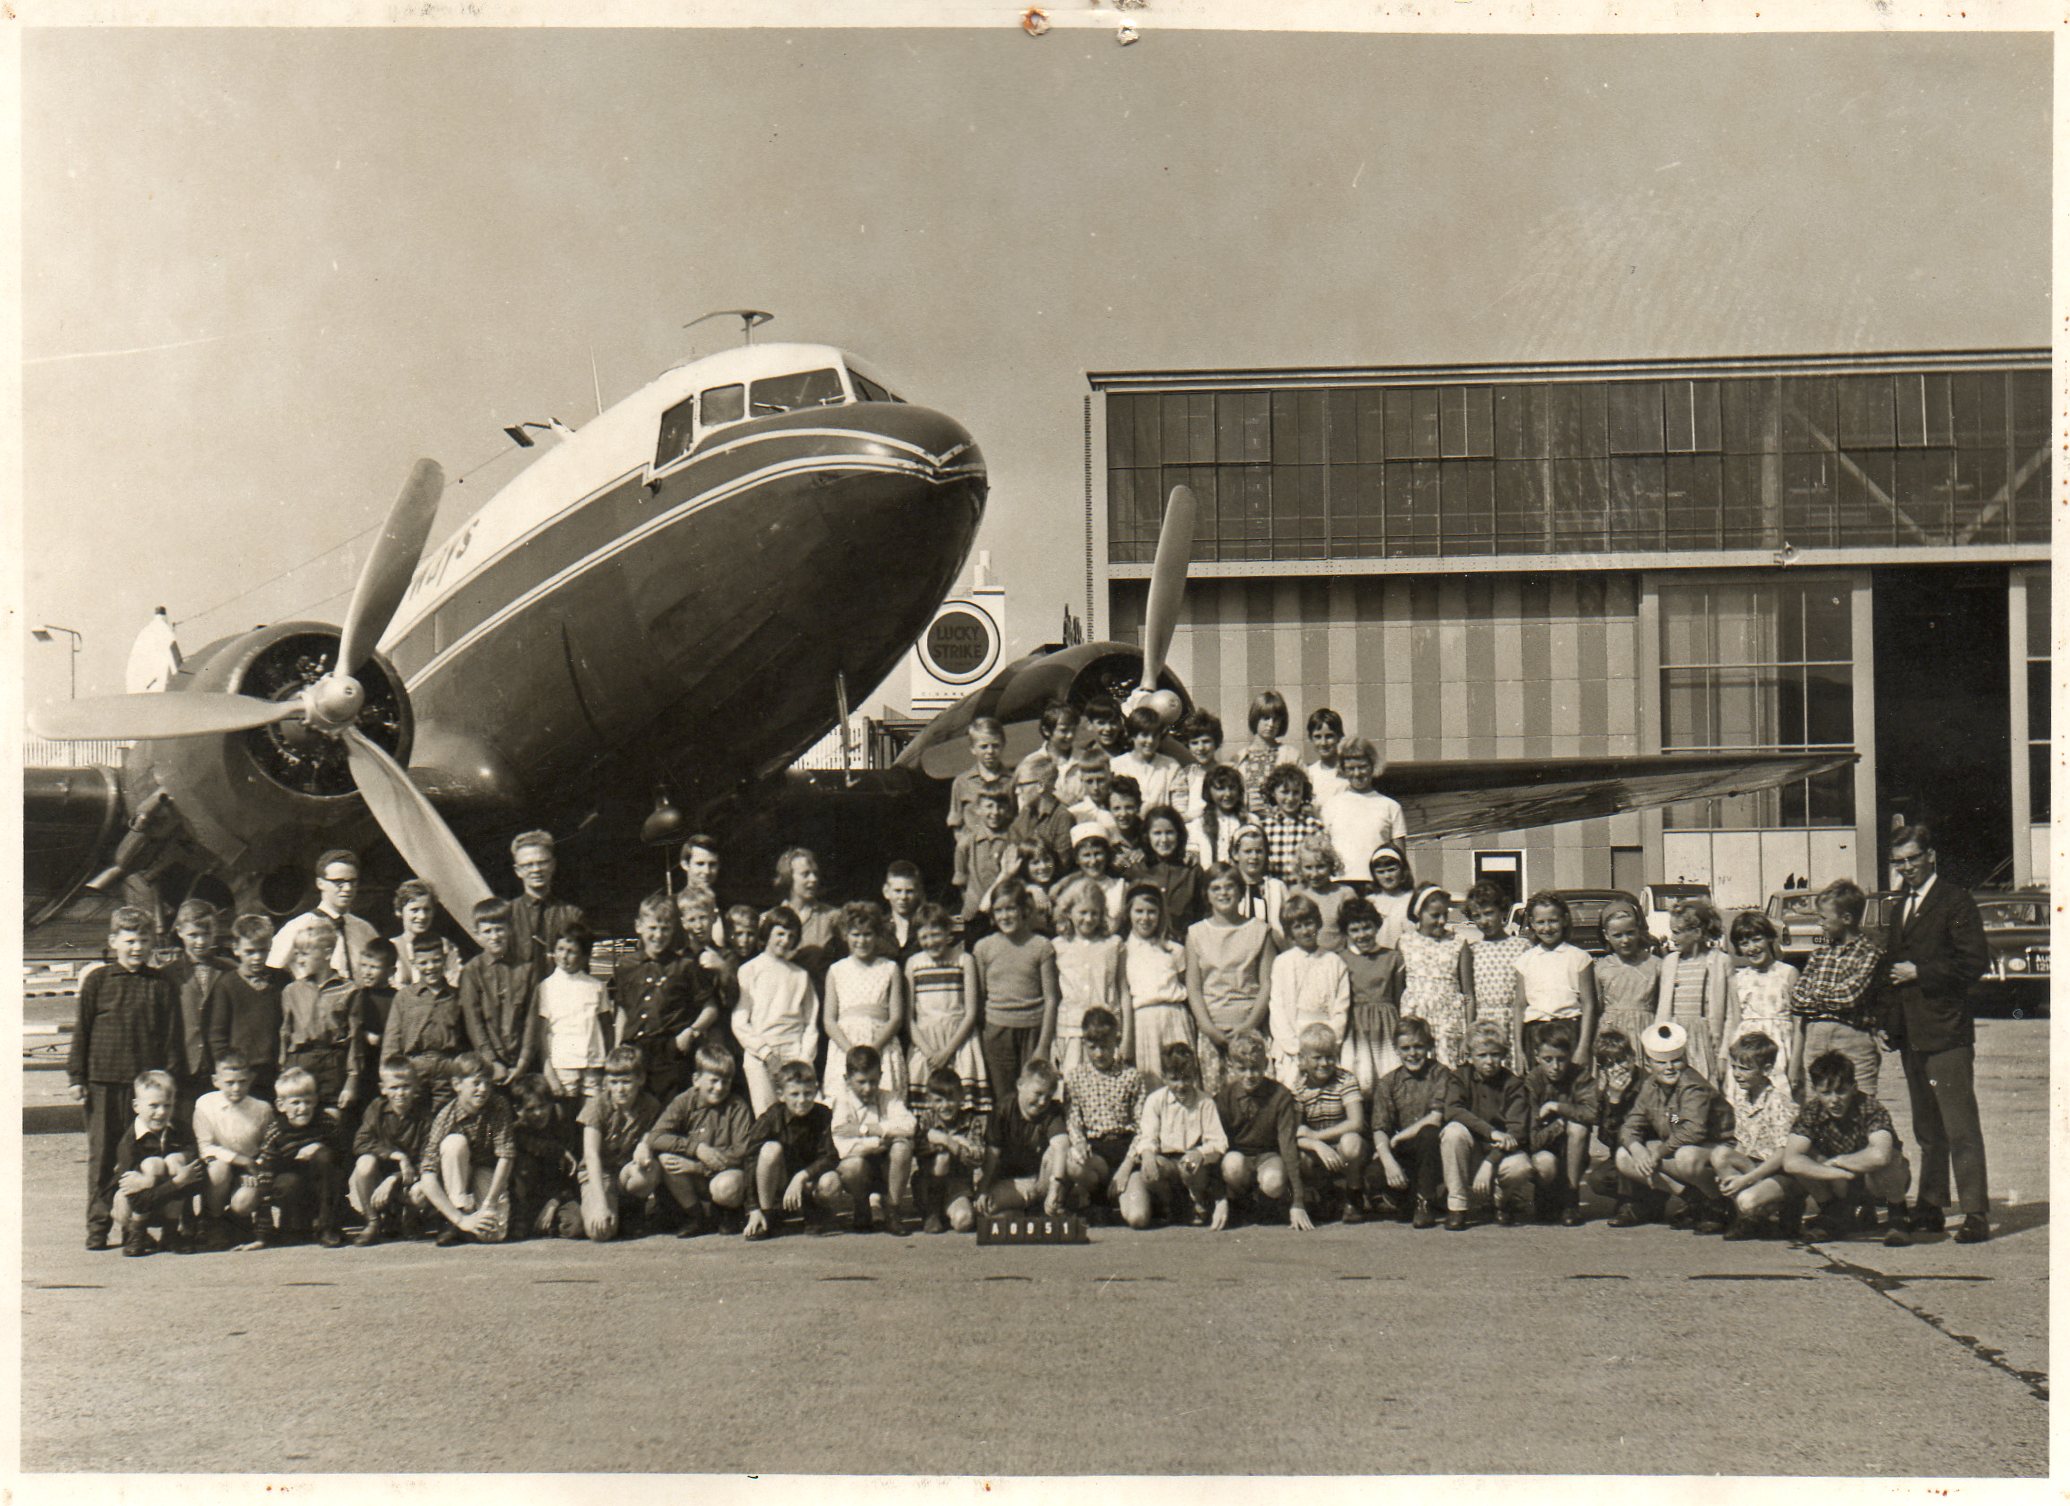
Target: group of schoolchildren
{"points": [[1203, 992]]}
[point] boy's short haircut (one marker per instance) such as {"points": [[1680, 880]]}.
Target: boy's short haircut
{"points": [[1357, 911], [584, 938], [693, 896], [660, 905], [526, 839], [1102, 707], [318, 936], [1486, 896], [233, 1060], [1143, 722], [944, 1083], [409, 891], [1100, 1025], [152, 1078], [624, 1061], [1094, 758], [1320, 1037], [1010, 892], [904, 868], [294, 1081], [1299, 909], [1289, 776], [1845, 898], [865, 915], [1358, 747], [864, 1061], [1486, 1033], [931, 916], [1126, 784], [710, 1056], [778, 917], [1247, 1048], [343, 855], [1038, 768], [1749, 924], [1413, 1028], [988, 725], [1755, 1049], [1270, 703], [532, 1090], [1037, 1069], [1200, 723], [1001, 798], [1054, 715], [1831, 1069], [796, 1074], [1918, 834], [131, 918], [427, 942], [1558, 1033], [192, 910], [1613, 1048], [468, 1064], [254, 930], [1704, 913], [492, 912], [398, 1064], [697, 842], [1181, 1063], [381, 949], [1323, 717]]}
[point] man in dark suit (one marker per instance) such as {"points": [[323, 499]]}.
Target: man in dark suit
{"points": [[1935, 952]]}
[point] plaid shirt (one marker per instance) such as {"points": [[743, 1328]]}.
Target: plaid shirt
{"points": [[1842, 1134], [1838, 982], [1284, 835], [1104, 1104], [491, 1132], [965, 1126], [1324, 1106]]}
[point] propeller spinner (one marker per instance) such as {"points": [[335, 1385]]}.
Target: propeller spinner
{"points": [[328, 707]]}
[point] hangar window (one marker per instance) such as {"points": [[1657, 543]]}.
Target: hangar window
{"points": [[2038, 693], [805, 389]]}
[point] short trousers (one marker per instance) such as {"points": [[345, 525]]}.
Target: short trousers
{"points": [[1113, 1149]]}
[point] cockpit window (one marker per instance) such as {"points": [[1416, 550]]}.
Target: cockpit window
{"points": [[807, 389], [868, 390], [678, 433], [722, 405]]}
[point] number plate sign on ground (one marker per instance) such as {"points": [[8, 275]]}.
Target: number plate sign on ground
{"points": [[1031, 1229]]}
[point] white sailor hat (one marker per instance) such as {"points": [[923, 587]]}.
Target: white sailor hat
{"points": [[1085, 831], [1664, 1040]]}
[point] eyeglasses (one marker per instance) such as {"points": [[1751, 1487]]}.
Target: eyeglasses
{"points": [[347, 882]]}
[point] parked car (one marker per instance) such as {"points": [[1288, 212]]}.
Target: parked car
{"points": [[1795, 915], [1658, 902], [2016, 928], [1586, 906]]}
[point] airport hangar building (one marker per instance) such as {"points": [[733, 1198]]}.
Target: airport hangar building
{"points": [[1623, 557]]}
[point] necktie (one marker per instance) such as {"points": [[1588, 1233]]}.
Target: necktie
{"points": [[1907, 903]]}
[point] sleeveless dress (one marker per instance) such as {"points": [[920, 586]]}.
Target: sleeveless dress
{"points": [[1430, 991], [937, 991], [1628, 993], [859, 1000], [1495, 981], [1693, 1007], [1764, 1005], [1087, 978], [1229, 982], [1157, 996]]}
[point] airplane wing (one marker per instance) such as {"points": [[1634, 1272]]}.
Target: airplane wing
{"points": [[1457, 798]]}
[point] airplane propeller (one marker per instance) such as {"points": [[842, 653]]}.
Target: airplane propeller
{"points": [[1167, 589], [330, 706]]}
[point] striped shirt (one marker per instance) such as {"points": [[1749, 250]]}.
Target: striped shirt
{"points": [[1323, 1106]]}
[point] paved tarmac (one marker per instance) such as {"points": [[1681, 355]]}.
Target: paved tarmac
{"points": [[1371, 1350]]}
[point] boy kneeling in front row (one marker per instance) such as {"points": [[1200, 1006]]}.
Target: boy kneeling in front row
{"points": [[300, 1171], [468, 1154], [156, 1170], [1668, 1139], [1844, 1150], [793, 1145], [700, 1143], [873, 1136], [948, 1150], [386, 1188]]}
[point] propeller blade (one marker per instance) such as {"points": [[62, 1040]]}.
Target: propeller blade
{"points": [[147, 718], [414, 825], [385, 577], [1167, 582]]}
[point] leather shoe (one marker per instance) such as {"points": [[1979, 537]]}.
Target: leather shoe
{"points": [[1927, 1218], [1975, 1230], [1456, 1219]]}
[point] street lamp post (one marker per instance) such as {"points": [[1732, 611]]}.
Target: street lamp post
{"points": [[46, 634]]}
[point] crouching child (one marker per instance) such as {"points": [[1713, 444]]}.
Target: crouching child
{"points": [[544, 1197], [1482, 1144], [792, 1142], [1565, 1107], [1105, 1111], [468, 1155], [1178, 1148], [1749, 1166], [873, 1136], [299, 1176], [1335, 1151], [229, 1128], [1844, 1150], [1263, 1123], [1411, 1106], [948, 1149], [1676, 1124], [385, 1186], [157, 1170], [1027, 1146], [700, 1143], [614, 1123]]}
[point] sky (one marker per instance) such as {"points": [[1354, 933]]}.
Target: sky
{"points": [[263, 270]]}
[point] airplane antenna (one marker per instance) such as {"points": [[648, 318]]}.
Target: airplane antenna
{"points": [[749, 319], [595, 382]]}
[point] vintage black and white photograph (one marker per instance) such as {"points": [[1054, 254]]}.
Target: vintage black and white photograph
{"points": [[1055, 741]]}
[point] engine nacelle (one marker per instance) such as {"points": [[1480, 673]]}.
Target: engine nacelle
{"points": [[253, 800]]}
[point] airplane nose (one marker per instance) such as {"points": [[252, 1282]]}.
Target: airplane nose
{"points": [[931, 438]]}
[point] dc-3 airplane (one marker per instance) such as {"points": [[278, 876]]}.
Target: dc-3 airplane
{"points": [[635, 638]]}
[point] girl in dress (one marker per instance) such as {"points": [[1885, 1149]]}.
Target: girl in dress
{"points": [[416, 906], [1628, 979], [1394, 886], [1761, 989], [1171, 868], [1556, 980], [1201, 732], [1264, 896], [1228, 971], [1309, 987], [1696, 985], [1154, 974], [776, 1018], [797, 885], [1287, 818], [1437, 975], [1212, 834], [1264, 752], [1495, 965], [1315, 861], [866, 997], [1088, 972], [941, 981], [1376, 993]]}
